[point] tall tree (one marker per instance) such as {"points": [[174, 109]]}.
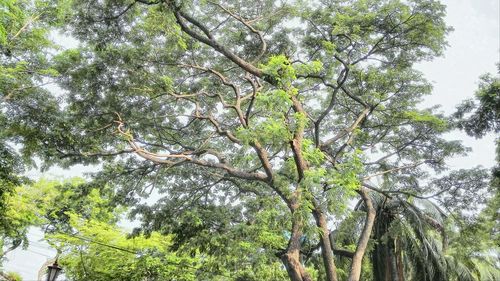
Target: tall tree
{"points": [[92, 246], [25, 52], [481, 115], [479, 259], [254, 123], [96, 250]]}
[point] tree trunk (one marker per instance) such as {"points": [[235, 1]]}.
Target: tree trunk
{"points": [[326, 247], [379, 263], [291, 258], [392, 261], [357, 259], [295, 269], [387, 259], [399, 261]]}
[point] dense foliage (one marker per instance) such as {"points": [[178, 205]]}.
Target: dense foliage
{"points": [[24, 67], [93, 247], [480, 116], [254, 140]]}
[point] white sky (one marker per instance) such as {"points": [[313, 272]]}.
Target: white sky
{"points": [[474, 50]]}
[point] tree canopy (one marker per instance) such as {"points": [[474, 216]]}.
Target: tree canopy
{"points": [[263, 140]]}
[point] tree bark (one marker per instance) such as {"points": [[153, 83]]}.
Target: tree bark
{"points": [[291, 259], [209, 40], [357, 259], [326, 246], [388, 264], [295, 269], [392, 261], [399, 260]]}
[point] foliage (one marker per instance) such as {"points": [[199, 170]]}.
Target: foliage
{"points": [[11, 276], [9, 179], [97, 250], [19, 213], [474, 246], [24, 67], [482, 115], [82, 225]]}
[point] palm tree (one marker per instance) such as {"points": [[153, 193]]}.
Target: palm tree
{"points": [[412, 243], [406, 233]]}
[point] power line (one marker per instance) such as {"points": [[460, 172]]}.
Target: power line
{"points": [[34, 243], [39, 245], [35, 252], [115, 247], [103, 244], [136, 253], [17, 269]]}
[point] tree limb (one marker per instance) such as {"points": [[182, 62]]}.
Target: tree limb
{"points": [[357, 258], [181, 18]]}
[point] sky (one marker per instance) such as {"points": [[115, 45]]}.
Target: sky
{"points": [[474, 49]]}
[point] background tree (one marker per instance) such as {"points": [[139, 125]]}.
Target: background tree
{"points": [[473, 246], [478, 260], [18, 215], [92, 246], [99, 251], [81, 224], [482, 115], [24, 68], [44, 204]]}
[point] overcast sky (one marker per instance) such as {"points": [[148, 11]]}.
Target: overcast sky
{"points": [[474, 50]]}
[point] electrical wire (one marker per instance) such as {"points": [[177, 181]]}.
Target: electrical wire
{"points": [[115, 247], [35, 252], [137, 253], [129, 251]]}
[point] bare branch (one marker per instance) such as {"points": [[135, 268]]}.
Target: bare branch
{"points": [[256, 88], [181, 18], [225, 81], [395, 170], [185, 157], [346, 131], [263, 44]]}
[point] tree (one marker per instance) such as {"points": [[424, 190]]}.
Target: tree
{"points": [[17, 216], [480, 116], [42, 204], [419, 241], [477, 117], [92, 246], [99, 251], [249, 119], [11, 27], [25, 207], [416, 240], [8, 181], [24, 68], [80, 222]]}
